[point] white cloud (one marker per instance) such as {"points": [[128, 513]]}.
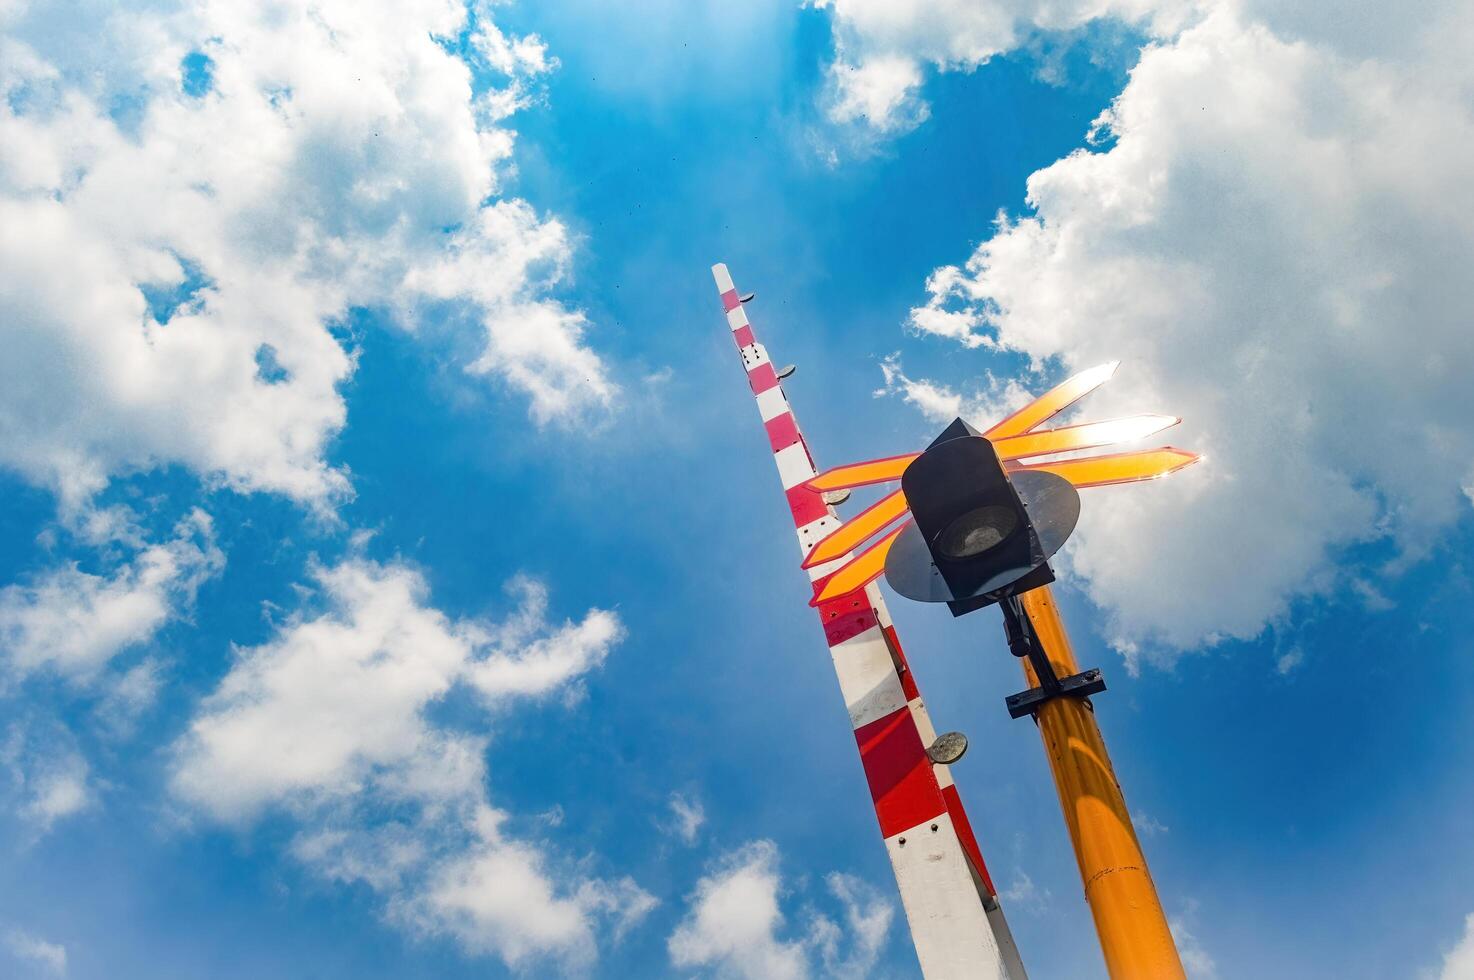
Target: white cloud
{"points": [[128, 695], [1289, 662], [1195, 958], [499, 898], [867, 923], [330, 723], [72, 623], [58, 791], [883, 47], [335, 701], [1371, 597], [687, 817], [325, 156], [521, 657], [941, 404], [50, 958], [878, 93], [1024, 894], [49, 779], [1458, 964], [734, 918], [1274, 245], [71, 631], [1148, 825]]}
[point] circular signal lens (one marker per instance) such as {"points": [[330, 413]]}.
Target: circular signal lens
{"points": [[976, 531]]}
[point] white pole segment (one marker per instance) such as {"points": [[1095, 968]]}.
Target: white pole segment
{"points": [[951, 905]]}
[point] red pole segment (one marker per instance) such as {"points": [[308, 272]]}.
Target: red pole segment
{"points": [[956, 922]]}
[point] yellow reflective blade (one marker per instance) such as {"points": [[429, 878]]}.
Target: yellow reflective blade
{"points": [[1099, 471], [862, 474], [1089, 436], [866, 568], [853, 532], [1050, 404]]}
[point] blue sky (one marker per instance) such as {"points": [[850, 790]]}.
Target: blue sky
{"points": [[467, 638]]}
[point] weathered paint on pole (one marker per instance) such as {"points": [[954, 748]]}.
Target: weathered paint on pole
{"points": [[1134, 936], [956, 921]]}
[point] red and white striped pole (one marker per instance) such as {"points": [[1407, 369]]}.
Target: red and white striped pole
{"points": [[951, 905]]}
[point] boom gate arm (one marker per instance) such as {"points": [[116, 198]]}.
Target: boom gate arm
{"points": [[956, 921]]}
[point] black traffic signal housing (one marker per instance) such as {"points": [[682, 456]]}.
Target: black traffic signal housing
{"points": [[978, 534]]}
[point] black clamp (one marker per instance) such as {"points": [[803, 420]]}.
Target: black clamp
{"points": [[1024, 642]]}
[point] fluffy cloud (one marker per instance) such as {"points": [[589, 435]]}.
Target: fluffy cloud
{"points": [[882, 47], [69, 630], [1024, 895], [193, 196], [1273, 243], [941, 404], [867, 922], [72, 623], [330, 722], [522, 658], [1195, 959], [687, 816], [1459, 963], [499, 898], [734, 918], [48, 778], [58, 789], [49, 958]]}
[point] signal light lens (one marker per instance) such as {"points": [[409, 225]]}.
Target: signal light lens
{"points": [[977, 531]]}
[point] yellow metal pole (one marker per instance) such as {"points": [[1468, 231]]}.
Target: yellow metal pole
{"points": [[1118, 887]]}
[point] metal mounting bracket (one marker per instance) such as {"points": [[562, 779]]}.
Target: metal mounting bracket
{"points": [[1080, 685], [1023, 642]]}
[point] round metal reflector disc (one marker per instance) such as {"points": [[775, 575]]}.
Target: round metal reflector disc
{"points": [[1053, 503], [947, 749]]}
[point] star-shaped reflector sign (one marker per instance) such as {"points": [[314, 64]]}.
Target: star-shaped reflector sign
{"points": [[1015, 439]]}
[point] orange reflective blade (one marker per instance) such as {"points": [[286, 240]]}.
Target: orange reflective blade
{"points": [[852, 533], [1050, 404], [1100, 471], [866, 568], [1089, 436], [862, 474]]}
